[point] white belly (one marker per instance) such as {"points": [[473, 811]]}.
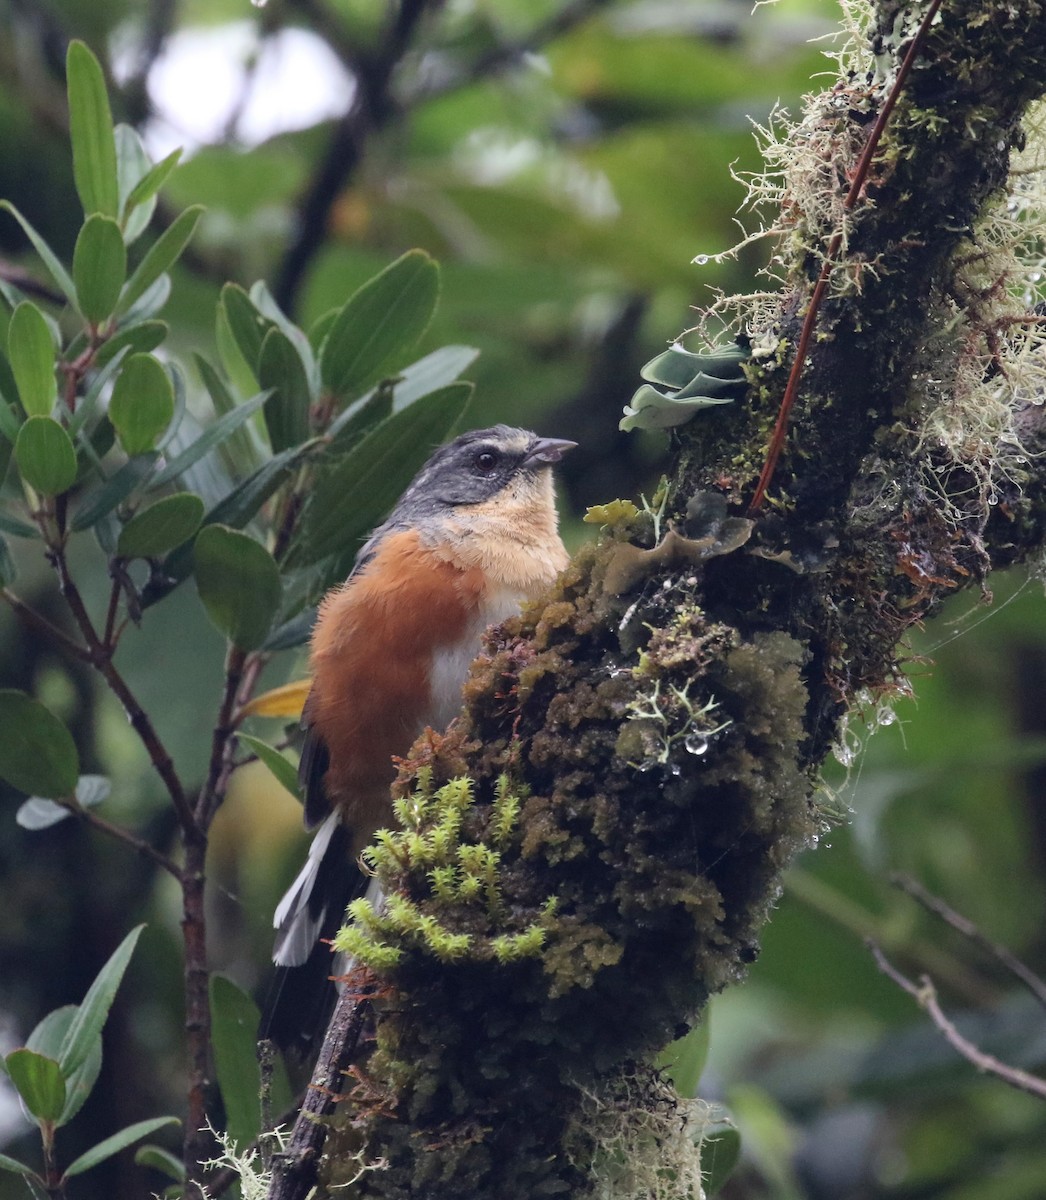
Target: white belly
{"points": [[450, 664]]}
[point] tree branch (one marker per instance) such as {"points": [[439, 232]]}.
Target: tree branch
{"points": [[968, 929], [123, 835], [925, 995]]}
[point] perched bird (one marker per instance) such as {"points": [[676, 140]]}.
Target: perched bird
{"points": [[474, 535]]}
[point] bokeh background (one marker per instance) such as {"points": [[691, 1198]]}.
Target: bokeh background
{"points": [[565, 160]]}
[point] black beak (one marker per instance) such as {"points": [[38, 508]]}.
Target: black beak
{"points": [[547, 450]]}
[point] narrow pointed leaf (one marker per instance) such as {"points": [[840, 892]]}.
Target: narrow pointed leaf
{"points": [[91, 131], [151, 182], [431, 373], [161, 527], [31, 351], [91, 1014], [234, 1027], [45, 456], [239, 584], [720, 1153], [159, 1159], [213, 436], [282, 768], [285, 701], [95, 505], [379, 324], [38, 1081], [116, 1143], [47, 1039], [17, 1168], [139, 338], [132, 166], [8, 570], [287, 409], [353, 495], [17, 528], [161, 256], [50, 260], [99, 267], [247, 325], [142, 403], [149, 304]]}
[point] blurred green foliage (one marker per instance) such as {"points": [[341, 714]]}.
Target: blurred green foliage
{"points": [[564, 178]]}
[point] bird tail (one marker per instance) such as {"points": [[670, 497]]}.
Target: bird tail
{"points": [[302, 992]]}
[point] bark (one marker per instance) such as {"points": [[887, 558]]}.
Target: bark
{"points": [[644, 746]]}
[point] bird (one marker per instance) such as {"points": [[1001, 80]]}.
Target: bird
{"points": [[474, 536]]}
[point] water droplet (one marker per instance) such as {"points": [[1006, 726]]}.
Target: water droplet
{"points": [[885, 716], [700, 259], [675, 769], [259, 3], [646, 765], [696, 743], [843, 754]]}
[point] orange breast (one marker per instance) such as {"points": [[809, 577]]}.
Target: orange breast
{"points": [[372, 648]]}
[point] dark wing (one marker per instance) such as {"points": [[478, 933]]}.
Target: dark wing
{"points": [[315, 759]]}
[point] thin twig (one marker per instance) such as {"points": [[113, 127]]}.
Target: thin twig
{"points": [[41, 624], [123, 835], [969, 930], [101, 659], [925, 995], [25, 282], [852, 196]]}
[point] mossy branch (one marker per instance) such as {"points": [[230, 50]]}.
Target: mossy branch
{"points": [[644, 745]]}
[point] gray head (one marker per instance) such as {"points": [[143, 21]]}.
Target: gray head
{"points": [[475, 467]]}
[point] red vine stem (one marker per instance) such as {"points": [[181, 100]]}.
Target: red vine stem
{"points": [[860, 177]]}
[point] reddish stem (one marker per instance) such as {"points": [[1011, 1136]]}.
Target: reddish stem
{"points": [[857, 185]]}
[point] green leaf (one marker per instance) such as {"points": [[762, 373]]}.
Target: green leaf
{"points": [[248, 326], [17, 1168], [32, 352], [142, 403], [99, 267], [96, 504], [161, 256], [213, 436], [37, 753], [8, 570], [285, 771], [47, 1039], [287, 409], [430, 373], [356, 491], [720, 1152], [161, 527], [116, 1143], [159, 1159], [242, 376], [151, 182], [234, 1028], [153, 299], [45, 456], [684, 1060], [17, 528], [242, 449], [50, 260], [380, 323], [91, 1014], [321, 327], [91, 131], [142, 338], [234, 510], [239, 584], [38, 1081]]}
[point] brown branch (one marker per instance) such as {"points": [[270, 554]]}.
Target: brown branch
{"points": [[101, 659], [860, 177], [38, 622], [295, 1169], [925, 995], [122, 835], [968, 929], [213, 790]]}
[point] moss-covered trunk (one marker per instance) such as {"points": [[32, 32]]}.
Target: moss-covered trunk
{"points": [[643, 747]]}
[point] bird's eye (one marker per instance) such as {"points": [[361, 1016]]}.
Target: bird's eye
{"points": [[486, 461]]}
